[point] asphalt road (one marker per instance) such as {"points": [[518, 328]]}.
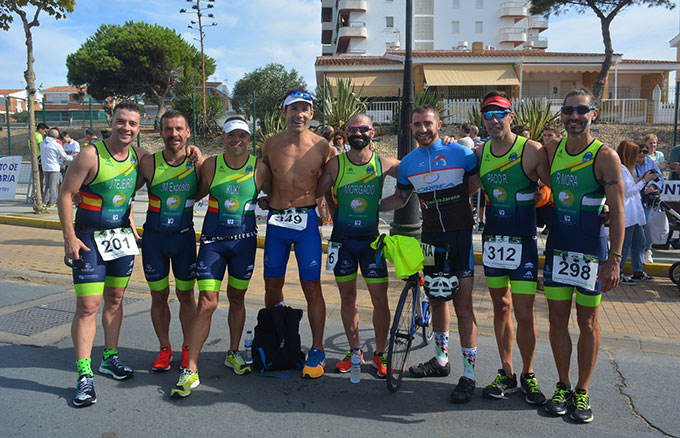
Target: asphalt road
{"points": [[632, 391]]}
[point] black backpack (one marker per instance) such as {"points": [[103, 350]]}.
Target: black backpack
{"points": [[277, 339]]}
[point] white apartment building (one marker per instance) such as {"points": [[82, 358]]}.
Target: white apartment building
{"points": [[370, 27]]}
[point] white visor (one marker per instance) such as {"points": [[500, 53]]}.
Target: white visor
{"points": [[291, 100], [236, 124]]}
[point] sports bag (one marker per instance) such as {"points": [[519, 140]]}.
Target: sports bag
{"points": [[277, 339]]}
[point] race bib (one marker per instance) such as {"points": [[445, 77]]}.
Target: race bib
{"points": [[116, 243], [503, 252], [332, 257], [574, 268], [428, 253], [290, 218]]}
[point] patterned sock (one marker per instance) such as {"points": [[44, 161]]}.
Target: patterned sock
{"points": [[109, 352], [469, 358], [441, 347], [84, 367]]}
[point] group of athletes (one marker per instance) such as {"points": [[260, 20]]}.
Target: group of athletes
{"points": [[296, 168]]}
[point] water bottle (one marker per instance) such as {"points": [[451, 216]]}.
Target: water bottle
{"points": [[355, 372], [248, 348]]}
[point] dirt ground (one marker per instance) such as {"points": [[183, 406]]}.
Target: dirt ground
{"points": [[385, 144]]}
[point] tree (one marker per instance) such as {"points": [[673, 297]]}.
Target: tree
{"points": [[123, 61], [57, 9], [606, 11], [270, 83]]}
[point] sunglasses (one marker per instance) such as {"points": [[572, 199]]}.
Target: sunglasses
{"points": [[644, 152], [362, 129], [581, 109], [302, 94], [498, 114]]}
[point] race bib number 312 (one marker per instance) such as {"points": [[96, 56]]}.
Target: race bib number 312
{"points": [[503, 252], [575, 268], [289, 219], [116, 243]]}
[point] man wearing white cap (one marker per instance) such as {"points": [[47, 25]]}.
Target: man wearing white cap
{"points": [[229, 238], [296, 157]]}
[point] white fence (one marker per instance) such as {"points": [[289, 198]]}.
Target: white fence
{"points": [[383, 112]]}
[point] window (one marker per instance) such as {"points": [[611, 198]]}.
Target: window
{"points": [[479, 27], [423, 28], [480, 4], [455, 27], [456, 4], [389, 21]]}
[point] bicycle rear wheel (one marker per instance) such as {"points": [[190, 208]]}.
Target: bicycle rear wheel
{"points": [[428, 330], [401, 336]]}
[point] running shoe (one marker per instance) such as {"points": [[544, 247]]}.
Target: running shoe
{"points": [[380, 363], [626, 280], [163, 360], [582, 412], [500, 386], [316, 361], [532, 392], [115, 368], [560, 401], [345, 365], [188, 380], [463, 391], [648, 256], [643, 277], [235, 361], [185, 357], [431, 368], [85, 395]]}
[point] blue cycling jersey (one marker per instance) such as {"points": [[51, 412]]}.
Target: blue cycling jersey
{"points": [[439, 175]]}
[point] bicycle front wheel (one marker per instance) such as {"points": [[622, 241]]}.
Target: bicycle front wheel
{"points": [[401, 336], [428, 330]]}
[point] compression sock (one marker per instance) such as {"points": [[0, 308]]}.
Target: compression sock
{"points": [[441, 347], [84, 367], [469, 359], [109, 352]]}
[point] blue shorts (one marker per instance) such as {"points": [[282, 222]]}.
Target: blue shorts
{"points": [[461, 257], [158, 249], [91, 273], [307, 249], [562, 292], [354, 253], [522, 279], [214, 256]]}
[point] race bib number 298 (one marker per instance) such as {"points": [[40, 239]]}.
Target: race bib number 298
{"points": [[575, 268], [116, 243]]}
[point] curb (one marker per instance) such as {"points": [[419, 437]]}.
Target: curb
{"points": [[658, 269]]}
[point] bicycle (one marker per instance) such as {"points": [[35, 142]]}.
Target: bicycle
{"points": [[413, 311]]}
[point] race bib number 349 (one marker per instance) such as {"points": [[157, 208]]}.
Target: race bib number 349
{"points": [[116, 243], [503, 252], [575, 268], [290, 218]]}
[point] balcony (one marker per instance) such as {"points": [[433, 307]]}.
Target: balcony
{"points": [[356, 29], [328, 26], [537, 43], [512, 35], [516, 10], [352, 5], [538, 23], [327, 49], [327, 3]]}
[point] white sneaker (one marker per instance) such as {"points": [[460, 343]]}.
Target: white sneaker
{"points": [[648, 256]]}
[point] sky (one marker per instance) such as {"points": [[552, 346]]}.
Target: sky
{"points": [[252, 33]]}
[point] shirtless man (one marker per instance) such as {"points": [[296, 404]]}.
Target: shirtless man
{"points": [[296, 158]]}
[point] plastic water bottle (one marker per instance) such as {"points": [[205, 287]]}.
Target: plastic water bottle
{"points": [[248, 347], [355, 372]]}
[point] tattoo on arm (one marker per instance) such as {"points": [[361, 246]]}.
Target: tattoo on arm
{"points": [[612, 182]]}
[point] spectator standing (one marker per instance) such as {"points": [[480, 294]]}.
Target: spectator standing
{"points": [[52, 156], [673, 162], [464, 136], [651, 141], [653, 188]]}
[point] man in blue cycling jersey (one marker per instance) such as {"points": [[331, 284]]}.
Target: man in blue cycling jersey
{"points": [[439, 174]]}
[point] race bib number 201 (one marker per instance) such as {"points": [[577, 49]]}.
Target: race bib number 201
{"points": [[116, 243], [502, 252], [290, 218], [575, 268]]}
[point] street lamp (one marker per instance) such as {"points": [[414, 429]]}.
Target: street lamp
{"points": [[198, 25]]}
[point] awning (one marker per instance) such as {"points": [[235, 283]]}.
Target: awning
{"points": [[470, 75], [562, 68], [375, 83]]}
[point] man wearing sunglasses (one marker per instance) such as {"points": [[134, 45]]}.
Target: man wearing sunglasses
{"points": [[510, 167], [296, 158], [439, 174], [584, 175], [357, 178]]}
